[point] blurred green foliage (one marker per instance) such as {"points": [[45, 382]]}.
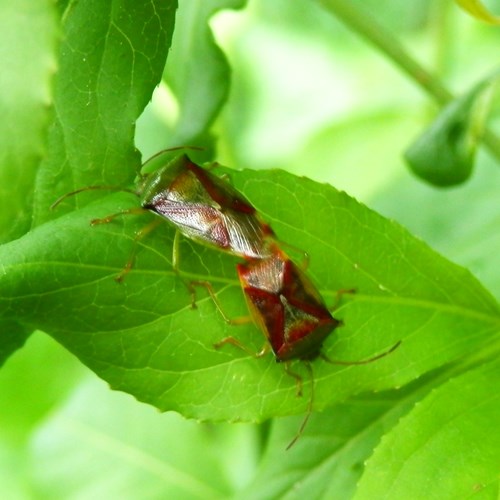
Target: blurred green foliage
{"points": [[287, 86]]}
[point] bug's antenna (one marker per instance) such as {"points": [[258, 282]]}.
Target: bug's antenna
{"points": [[167, 150], [363, 361], [90, 188]]}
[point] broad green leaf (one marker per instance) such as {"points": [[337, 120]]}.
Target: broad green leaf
{"points": [[444, 154], [119, 446], [197, 71], [106, 77], [118, 66], [449, 442], [478, 10], [328, 459], [29, 33], [144, 338], [126, 450], [113, 66]]}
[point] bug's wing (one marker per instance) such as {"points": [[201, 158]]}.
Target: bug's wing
{"points": [[246, 234]]}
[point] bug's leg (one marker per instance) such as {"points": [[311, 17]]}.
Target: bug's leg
{"points": [[176, 267], [338, 297], [191, 285], [176, 251], [133, 252], [241, 320], [150, 161], [109, 218], [295, 376], [309, 407], [139, 235], [340, 293], [233, 341]]}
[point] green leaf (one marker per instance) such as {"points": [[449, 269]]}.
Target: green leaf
{"points": [[25, 98], [328, 459], [29, 27], [129, 447], [113, 66], [144, 338], [106, 77], [444, 153], [478, 10], [197, 71], [448, 442]]}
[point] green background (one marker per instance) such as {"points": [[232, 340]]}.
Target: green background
{"points": [[276, 91]]}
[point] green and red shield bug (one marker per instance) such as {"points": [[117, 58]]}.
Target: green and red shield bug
{"points": [[286, 305], [205, 208], [200, 205], [288, 308]]}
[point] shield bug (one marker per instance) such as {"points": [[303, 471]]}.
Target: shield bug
{"points": [[205, 208], [286, 305], [201, 206], [288, 308]]}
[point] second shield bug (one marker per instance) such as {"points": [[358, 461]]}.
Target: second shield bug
{"points": [[288, 308], [286, 305]]}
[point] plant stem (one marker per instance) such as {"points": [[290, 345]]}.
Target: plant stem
{"points": [[443, 29], [354, 16]]}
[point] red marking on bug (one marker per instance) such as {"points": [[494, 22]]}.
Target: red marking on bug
{"points": [[221, 192]]}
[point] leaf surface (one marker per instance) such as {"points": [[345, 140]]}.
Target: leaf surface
{"points": [[197, 72], [29, 33], [452, 427], [143, 337], [106, 78]]}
